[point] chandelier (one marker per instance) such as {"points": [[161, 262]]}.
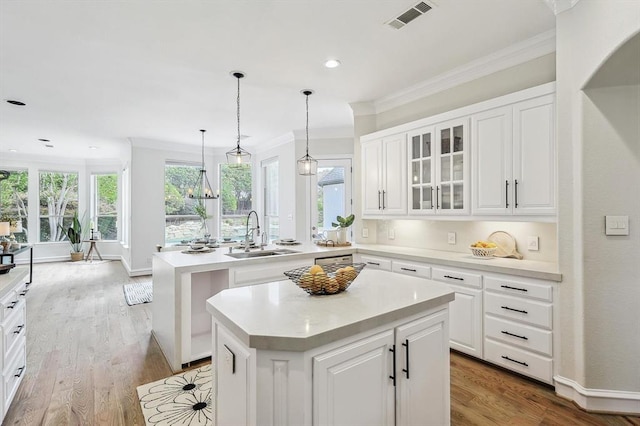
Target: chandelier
{"points": [[238, 155], [202, 189]]}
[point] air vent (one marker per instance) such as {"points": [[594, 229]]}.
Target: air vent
{"points": [[409, 15]]}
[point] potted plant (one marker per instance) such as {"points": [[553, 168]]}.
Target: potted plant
{"points": [[75, 235], [343, 223]]}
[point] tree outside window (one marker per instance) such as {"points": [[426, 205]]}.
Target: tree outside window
{"points": [[58, 203], [236, 199], [182, 219], [104, 205], [14, 198]]}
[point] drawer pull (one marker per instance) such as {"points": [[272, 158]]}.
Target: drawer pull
{"points": [[514, 310], [373, 263], [454, 278], [24, 292], [20, 371], [408, 269], [514, 288], [514, 335], [12, 305], [513, 360], [18, 329], [406, 354]]}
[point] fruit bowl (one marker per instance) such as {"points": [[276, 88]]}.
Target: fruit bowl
{"points": [[325, 279], [483, 252]]}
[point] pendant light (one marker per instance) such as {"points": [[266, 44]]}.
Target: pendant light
{"points": [[202, 189], [307, 165], [238, 155]]}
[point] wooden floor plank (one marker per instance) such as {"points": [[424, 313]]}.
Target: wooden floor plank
{"points": [[87, 351]]}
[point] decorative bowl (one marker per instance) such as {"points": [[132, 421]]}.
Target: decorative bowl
{"points": [[197, 246], [325, 279], [483, 252]]}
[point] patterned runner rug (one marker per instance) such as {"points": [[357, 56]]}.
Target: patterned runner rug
{"points": [[138, 293], [183, 399]]}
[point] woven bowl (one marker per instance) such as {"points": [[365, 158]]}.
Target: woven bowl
{"points": [[333, 279], [483, 252]]}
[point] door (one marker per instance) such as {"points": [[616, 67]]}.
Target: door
{"points": [[351, 384], [422, 368], [465, 321], [372, 177], [330, 193], [423, 171], [394, 194], [452, 167]]}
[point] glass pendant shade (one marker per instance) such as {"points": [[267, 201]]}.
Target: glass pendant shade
{"points": [[202, 189], [307, 165], [238, 155]]}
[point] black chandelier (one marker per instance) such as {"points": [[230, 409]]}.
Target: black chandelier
{"points": [[238, 155], [202, 189]]}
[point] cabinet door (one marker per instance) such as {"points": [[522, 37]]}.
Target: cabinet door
{"points": [[465, 321], [351, 384], [422, 171], [534, 152], [394, 195], [492, 158], [452, 168], [422, 368], [371, 178]]}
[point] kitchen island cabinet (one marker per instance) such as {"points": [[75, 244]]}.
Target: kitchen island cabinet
{"points": [[379, 349]]}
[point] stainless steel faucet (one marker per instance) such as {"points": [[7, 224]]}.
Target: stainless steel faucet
{"points": [[250, 230]]}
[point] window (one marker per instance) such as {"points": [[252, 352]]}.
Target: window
{"points": [[182, 221], [58, 203], [104, 205], [125, 206], [331, 189], [14, 199], [271, 199], [235, 199]]}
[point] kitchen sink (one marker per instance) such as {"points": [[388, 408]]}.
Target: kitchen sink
{"points": [[260, 253]]}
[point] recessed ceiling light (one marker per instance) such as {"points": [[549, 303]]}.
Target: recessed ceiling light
{"points": [[14, 102], [332, 63]]}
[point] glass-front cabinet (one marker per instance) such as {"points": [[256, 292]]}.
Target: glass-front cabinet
{"points": [[440, 169]]}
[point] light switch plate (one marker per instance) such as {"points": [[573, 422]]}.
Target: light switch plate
{"points": [[616, 225], [365, 232], [451, 237], [392, 233], [532, 244]]}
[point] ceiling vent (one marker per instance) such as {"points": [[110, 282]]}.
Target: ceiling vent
{"points": [[409, 15]]}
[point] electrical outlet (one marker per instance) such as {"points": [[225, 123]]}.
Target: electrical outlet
{"points": [[451, 237], [392, 233], [532, 243], [365, 232]]}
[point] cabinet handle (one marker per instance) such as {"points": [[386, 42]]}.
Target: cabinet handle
{"points": [[20, 371], [406, 357], [437, 198], [393, 351], [384, 193], [514, 310], [514, 335], [379, 205], [18, 329], [516, 194], [454, 278], [12, 305], [514, 288], [432, 197], [506, 194], [408, 269], [513, 360], [373, 263], [24, 292]]}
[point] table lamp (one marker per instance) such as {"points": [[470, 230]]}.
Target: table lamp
{"points": [[4, 231]]}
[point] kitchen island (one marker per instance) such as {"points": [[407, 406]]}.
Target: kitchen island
{"points": [[376, 354]]}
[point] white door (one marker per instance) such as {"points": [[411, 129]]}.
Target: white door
{"points": [[465, 321], [352, 384], [422, 367], [452, 167], [372, 177], [330, 193], [422, 171], [394, 193]]}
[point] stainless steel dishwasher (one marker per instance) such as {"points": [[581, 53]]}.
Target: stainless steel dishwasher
{"points": [[330, 260]]}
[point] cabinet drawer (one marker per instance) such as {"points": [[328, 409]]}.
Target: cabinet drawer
{"points": [[515, 334], [12, 376], [519, 287], [524, 362], [416, 270], [373, 262], [517, 308], [13, 330], [8, 304], [263, 273], [452, 276]]}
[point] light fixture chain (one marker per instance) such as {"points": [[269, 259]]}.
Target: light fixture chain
{"points": [[307, 102], [238, 113]]}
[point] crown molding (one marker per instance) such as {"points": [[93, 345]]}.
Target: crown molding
{"points": [[559, 6], [532, 48], [362, 108]]}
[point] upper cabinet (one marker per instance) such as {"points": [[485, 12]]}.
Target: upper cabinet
{"points": [[384, 165], [439, 169], [513, 154]]}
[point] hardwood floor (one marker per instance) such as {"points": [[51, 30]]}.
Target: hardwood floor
{"points": [[87, 351]]}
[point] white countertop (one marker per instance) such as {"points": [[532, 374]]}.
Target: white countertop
{"points": [[281, 316], [11, 278]]}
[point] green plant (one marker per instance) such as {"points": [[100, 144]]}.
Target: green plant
{"points": [[344, 222], [75, 233], [201, 210]]}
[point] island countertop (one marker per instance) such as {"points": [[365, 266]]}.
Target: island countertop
{"points": [[281, 316]]}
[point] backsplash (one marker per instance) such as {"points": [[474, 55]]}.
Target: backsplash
{"points": [[433, 234]]}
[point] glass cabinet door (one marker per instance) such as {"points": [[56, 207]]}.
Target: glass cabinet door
{"points": [[422, 171], [451, 173]]}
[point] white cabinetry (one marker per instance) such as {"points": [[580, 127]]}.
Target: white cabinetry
{"points": [[373, 262], [399, 376], [514, 159], [263, 273], [384, 168], [518, 325]]}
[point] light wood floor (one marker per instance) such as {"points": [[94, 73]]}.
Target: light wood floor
{"points": [[87, 351]]}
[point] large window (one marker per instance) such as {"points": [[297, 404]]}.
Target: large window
{"points": [[14, 199], [58, 203], [104, 205], [235, 181], [183, 215]]}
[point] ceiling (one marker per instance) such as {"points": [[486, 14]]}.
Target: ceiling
{"points": [[102, 73]]}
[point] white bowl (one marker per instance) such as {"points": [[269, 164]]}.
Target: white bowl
{"points": [[196, 246]]}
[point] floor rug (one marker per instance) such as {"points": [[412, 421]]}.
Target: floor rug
{"points": [[183, 399], [138, 293]]}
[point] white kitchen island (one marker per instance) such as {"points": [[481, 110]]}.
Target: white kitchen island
{"points": [[376, 354]]}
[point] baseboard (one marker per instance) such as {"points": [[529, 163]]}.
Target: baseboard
{"points": [[598, 400]]}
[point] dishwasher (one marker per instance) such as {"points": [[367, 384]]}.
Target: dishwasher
{"points": [[332, 260]]}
